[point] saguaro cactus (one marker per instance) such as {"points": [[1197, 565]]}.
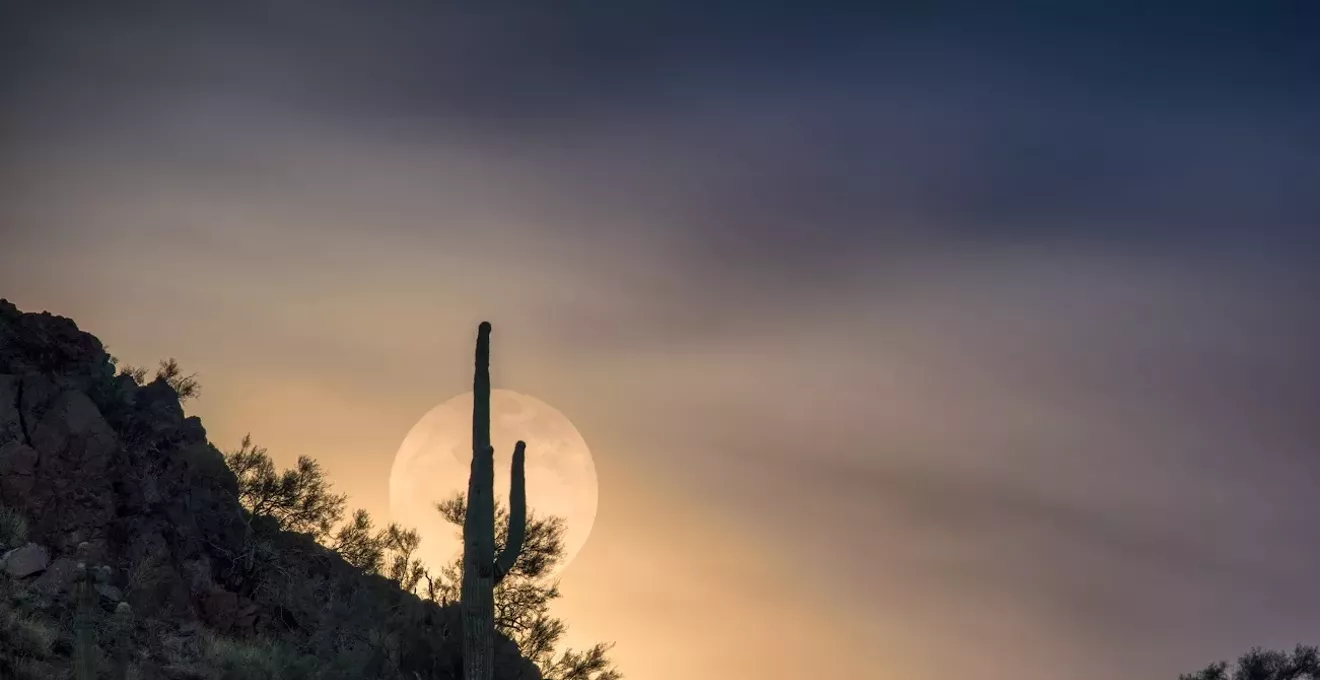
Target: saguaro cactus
{"points": [[481, 569], [84, 626], [122, 629]]}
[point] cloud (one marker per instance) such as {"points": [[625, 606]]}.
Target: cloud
{"points": [[1016, 336]]}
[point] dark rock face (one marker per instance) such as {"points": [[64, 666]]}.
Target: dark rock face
{"points": [[50, 345], [228, 612], [111, 473], [18, 464]]}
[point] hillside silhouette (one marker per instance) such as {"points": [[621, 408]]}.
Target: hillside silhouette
{"points": [[134, 548], [131, 548]]}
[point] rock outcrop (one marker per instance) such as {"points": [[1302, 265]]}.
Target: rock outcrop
{"points": [[112, 476], [25, 561]]}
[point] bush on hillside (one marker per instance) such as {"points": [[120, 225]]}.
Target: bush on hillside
{"points": [[1264, 664]]}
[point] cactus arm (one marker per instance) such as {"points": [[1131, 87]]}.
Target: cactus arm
{"points": [[517, 513]]}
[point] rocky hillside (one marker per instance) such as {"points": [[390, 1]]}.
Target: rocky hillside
{"points": [[126, 553]]}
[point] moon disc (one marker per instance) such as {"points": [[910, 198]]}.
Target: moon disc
{"points": [[433, 463]]}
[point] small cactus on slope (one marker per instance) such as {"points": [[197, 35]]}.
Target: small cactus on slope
{"points": [[482, 570]]}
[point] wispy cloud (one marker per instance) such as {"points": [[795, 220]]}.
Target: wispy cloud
{"points": [[953, 345]]}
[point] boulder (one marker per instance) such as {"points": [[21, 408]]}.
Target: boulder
{"points": [[45, 343], [26, 561], [109, 592], [159, 408], [71, 427], [58, 578]]}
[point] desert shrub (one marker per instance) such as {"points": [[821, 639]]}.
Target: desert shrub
{"points": [[145, 573], [299, 499], [186, 386], [256, 659], [113, 388], [137, 374], [27, 636], [26, 643], [153, 587], [1303, 663], [387, 553], [356, 543]]}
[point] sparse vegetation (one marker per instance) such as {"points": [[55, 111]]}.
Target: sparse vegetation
{"points": [[522, 599], [1263, 664], [137, 373], [388, 552], [27, 637], [162, 557], [299, 499], [186, 386], [256, 659]]}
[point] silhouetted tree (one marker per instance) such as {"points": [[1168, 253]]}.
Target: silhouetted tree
{"points": [[299, 499], [137, 373], [356, 543], [388, 552], [186, 386], [399, 545], [522, 599], [592, 664], [1261, 664]]}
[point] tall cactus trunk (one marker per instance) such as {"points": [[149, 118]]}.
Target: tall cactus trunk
{"points": [[122, 626], [481, 570], [84, 626]]}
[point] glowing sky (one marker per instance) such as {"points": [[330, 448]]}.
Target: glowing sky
{"points": [[909, 345]]}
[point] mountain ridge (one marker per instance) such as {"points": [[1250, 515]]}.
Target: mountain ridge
{"points": [[118, 493]]}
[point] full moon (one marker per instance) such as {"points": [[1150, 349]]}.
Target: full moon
{"points": [[433, 462]]}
